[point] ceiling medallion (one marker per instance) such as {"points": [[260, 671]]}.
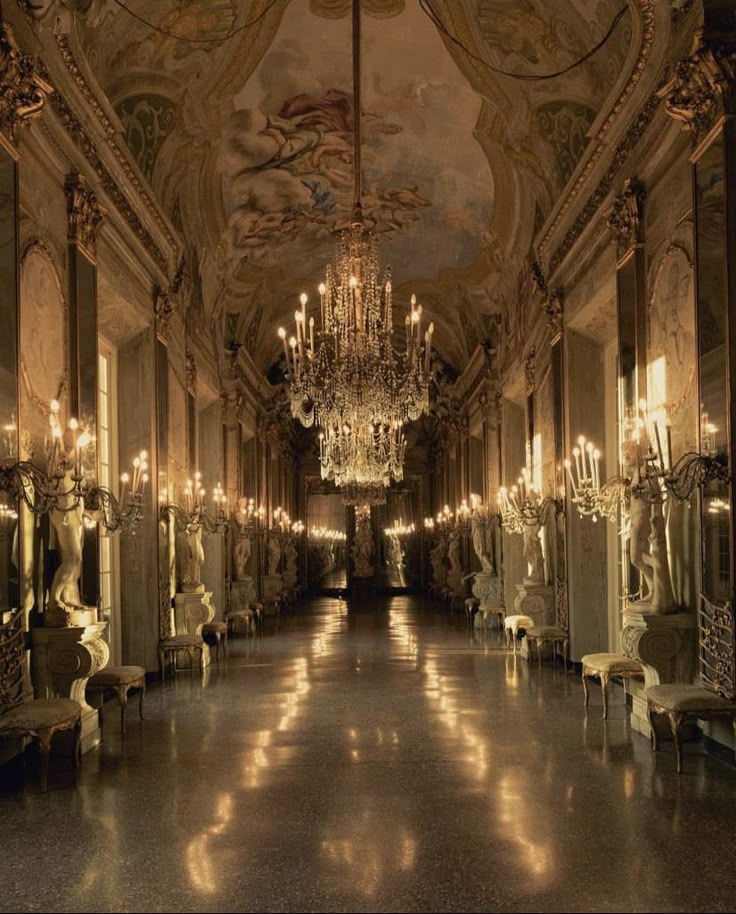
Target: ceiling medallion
{"points": [[345, 373]]}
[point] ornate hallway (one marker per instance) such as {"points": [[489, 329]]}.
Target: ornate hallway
{"points": [[381, 760]]}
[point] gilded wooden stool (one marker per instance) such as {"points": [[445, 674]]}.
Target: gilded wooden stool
{"points": [[604, 666], [216, 632], [539, 635], [191, 644], [121, 679], [511, 626], [40, 719], [680, 702]]}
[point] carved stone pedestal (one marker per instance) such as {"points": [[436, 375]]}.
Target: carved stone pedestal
{"points": [[487, 589], [192, 611], [242, 594], [536, 601], [664, 645], [273, 585], [63, 659]]}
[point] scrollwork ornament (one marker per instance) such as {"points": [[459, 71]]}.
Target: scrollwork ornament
{"points": [[22, 91], [553, 309], [191, 369], [626, 217], [163, 310], [85, 213], [530, 370], [702, 89]]}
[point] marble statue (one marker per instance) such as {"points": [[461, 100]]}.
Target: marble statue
{"points": [[484, 543], [533, 552], [291, 573], [193, 559], [437, 556], [69, 530], [362, 548], [396, 559], [241, 556], [648, 554], [274, 556], [455, 576]]}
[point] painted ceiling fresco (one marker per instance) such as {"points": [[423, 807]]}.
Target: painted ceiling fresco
{"points": [[248, 143]]}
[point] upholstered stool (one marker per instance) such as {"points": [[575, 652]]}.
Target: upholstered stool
{"points": [[511, 626], [539, 635], [680, 702], [604, 666], [216, 632], [471, 608], [122, 679], [239, 619], [498, 611], [188, 643], [41, 719]]}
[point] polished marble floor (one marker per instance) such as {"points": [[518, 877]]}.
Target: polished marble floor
{"points": [[379, 760]]}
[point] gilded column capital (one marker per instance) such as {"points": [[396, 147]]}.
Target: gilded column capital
{"points": [[702, 89], [163, 310], [553, 308], [22, 91], [530, 371], [85, 214], [626, 217]]}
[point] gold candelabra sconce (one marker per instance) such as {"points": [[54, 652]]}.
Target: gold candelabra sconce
{"points": [[524, 504], [192, 514]]}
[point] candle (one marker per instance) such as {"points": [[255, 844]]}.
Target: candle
{"points": [[282, 334], [572, 480], [322, 290], [311, 335], [668, 427], [576, 455]]}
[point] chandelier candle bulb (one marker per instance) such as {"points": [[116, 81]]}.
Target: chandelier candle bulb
{"points": [[282, 334], [311, 337], [568, 467]]}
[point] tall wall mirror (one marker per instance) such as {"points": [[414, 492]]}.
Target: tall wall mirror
{"points": [[9, 535], [398, 523], [713, 360], [326, 541]]}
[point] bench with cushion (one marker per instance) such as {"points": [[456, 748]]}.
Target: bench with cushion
{"points": [[604, 666], [539, 635], [511, 626], [121, 679]]}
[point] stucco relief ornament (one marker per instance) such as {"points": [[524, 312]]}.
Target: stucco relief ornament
{"points": [[191, 369], [85, 213], [553, 310], [163, 310], [529, 370], [22, 91], [703, 88], [626, 217]]}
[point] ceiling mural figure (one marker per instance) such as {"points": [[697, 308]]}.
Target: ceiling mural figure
{"points": [[247, 141]]}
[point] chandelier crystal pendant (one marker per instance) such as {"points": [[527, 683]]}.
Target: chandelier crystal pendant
{"points": [[346, 375]]}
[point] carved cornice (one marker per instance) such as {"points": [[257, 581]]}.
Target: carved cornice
{"points": [[121, 153], [553, 308], [84, 212], [600, 146], [626, 217], [163, 310], [702, 90], [22, 90]]}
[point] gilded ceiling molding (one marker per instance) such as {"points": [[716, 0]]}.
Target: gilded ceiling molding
{"points": [[596, 200], [121, 153], [626, 217], [86, 145], [702, 91], [600, 145], [85, 214], [23, 91]]}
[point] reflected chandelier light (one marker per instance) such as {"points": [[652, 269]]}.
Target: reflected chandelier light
{"points": [[346, 376]]}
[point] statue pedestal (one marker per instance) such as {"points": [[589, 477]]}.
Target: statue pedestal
{"points": [[63, 659], [273, 585], [242, 594], [191, 612], [487, 589], [664, 645], [537, 601]]}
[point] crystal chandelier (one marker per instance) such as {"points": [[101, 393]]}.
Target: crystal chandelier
{"points": [[345, 374]]}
